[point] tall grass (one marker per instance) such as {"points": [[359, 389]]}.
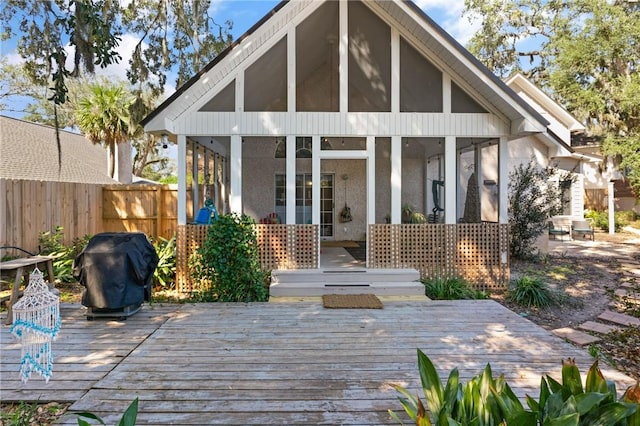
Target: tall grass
{"points": [[531, 291], [451, 289]]}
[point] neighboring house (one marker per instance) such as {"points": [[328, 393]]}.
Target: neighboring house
{"points": [[28, 151], [368, 105], [565, 146]]}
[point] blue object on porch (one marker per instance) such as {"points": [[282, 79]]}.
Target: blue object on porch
{"points": [[207, 213]]}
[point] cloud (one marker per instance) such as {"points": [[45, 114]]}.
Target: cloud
{"points": [[13, 58], [125, 49], [448, 14]]}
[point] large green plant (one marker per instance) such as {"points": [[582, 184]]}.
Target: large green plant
{"points": [[451, 289], [479, 402], [488, 401], [51, 244], [532, 202], [228, 259], [165, 274], [531, 291]]}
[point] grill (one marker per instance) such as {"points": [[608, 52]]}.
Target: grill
{"points": [[116, 269]]}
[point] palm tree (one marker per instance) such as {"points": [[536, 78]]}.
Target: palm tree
{"points": [[103, 117]]}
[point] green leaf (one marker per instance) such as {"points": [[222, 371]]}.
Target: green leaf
{"points": [[571, 379], [130, 415], [451, 390], [587, 401], [595, 380], [89, 416], [431, 385], [567, 420], [612, 413]]}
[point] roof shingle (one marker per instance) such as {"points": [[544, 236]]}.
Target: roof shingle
{"points": [[28, 151]]}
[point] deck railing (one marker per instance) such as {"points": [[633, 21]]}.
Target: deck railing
{"points": [[477, 252]]}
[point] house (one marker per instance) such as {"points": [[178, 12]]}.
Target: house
{"points": [[369, 106], [28, 151], [565, 146]]}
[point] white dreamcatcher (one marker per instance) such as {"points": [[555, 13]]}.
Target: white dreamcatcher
{"points": [[36, 323]]}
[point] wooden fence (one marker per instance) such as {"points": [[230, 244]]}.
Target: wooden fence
{"points": [[29, 208]]}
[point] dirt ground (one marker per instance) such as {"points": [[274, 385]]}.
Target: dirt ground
{"points": [[585, 286]]}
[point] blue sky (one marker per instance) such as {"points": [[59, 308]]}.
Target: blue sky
{"points": [[244, 14]]}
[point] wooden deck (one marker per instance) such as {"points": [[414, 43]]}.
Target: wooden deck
{"points": [[280, 363]]}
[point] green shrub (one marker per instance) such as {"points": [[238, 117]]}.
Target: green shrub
{"points": [[21, 416], [451, 289], [532, 201], [531, 291], [600, 220], [228, 262], [51, 244], [164, 277], [488, 401]]}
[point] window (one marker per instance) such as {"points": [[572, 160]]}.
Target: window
{"points": [[304, 146]]}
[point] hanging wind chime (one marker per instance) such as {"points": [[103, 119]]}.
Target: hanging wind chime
{"points": [[36, 322], [345, 214]]}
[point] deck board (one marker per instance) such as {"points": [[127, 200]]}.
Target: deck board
{"points": [[281, 363]]}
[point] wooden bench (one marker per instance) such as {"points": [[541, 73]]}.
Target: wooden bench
{"points": [[18, 266]]}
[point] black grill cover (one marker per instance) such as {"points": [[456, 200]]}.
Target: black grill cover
{"points": [[116, 268]]}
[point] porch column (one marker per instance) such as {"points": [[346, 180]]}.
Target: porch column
{"points": [[223, 185], [235, 169], [612, 207], [195, 185], [291, 179], [315, 179], [182, 180], [503, 180], [207, 175], [216, 182], [371, 180], [396, 179], [343, 51], [450, 180]]}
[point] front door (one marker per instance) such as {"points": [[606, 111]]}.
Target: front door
{"points": [[327, 205], [304, 201]]}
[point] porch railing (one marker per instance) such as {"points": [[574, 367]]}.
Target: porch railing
{"points": [[477, 252], [279, 247]]}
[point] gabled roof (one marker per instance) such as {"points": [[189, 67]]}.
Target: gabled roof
{"points": [[519, 81], [28, 151], [403, 14]]}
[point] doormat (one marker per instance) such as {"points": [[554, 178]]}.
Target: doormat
{"points": [[344, 244], [351, 301]]}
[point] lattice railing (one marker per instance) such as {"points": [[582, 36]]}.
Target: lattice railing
{"points": [[279, 247], [477, 252]]}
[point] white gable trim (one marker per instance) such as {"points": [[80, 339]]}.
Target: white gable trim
{"points": [[546, 102], [463, 66], [175, 116]]}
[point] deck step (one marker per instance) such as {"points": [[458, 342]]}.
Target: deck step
{"points": [[344, 275], [317, 282]]}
